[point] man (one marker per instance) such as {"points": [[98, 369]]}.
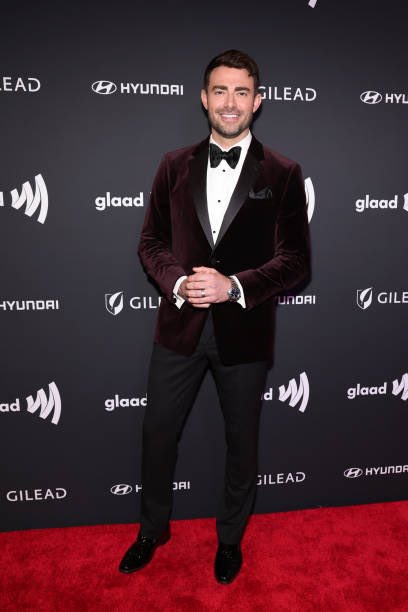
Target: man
{"points": [[225, 232]]}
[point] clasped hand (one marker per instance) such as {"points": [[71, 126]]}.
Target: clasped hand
{"points": [[204, 287]]}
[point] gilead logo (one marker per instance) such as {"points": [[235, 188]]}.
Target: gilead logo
{"points": [[365, 297], [27, 495], [114, 302], [281, 478], [19, 84], [287, 93]]}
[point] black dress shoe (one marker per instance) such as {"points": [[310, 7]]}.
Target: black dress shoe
{"points": [[228, 562], [141, 552]]}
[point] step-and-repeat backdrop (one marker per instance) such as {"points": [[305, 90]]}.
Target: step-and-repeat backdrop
{"points": [[91, 96]]}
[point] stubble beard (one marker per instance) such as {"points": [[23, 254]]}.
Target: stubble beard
{"points": [[229, 131]]}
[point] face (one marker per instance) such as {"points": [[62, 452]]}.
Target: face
{"points": [[230, 101]]}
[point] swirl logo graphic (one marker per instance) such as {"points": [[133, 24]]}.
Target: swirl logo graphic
{"points": [[353, 472], [371, 97], [297, 394], [32, 200], [46, 405], [114, 302], [401, 387], [364, 298], [104, 87], [310, 198]]}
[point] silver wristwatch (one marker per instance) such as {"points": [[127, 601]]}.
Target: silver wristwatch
{"points": [[234, 293]]}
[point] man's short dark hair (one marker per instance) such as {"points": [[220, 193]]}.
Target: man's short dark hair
{"points": [[233, 59]]}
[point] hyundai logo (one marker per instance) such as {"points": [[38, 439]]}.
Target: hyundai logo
{"points": [[353, 472], [371, 97], [104, 87], [121, 489]]}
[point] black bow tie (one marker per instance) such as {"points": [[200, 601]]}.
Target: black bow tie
{"points": [[217, 154]]}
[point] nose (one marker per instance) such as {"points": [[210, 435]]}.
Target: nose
{"points": [[230, 100]]}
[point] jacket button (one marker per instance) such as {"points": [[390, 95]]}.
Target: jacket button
{"points": [[214, 261]]}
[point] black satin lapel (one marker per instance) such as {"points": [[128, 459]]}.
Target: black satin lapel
{"points": [[198, 185], [249, 172]]}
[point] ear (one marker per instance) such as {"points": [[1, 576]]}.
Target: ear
{"points": [[257, 102], [204, 99]]}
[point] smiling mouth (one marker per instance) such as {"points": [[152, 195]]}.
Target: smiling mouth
{"points": [[229, 116]]}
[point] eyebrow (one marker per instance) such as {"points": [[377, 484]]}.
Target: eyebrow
{"points": [[224, 87]]}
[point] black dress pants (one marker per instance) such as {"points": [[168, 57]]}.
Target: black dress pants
{"points": [[173, 384]]}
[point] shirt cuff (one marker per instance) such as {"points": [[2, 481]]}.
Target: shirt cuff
{"points": [[241, 300], [178, 300]]}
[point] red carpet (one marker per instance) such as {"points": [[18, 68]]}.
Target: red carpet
{"points": [[348, 559]]}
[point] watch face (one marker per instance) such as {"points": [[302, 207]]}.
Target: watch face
{"points": [[234, 294]]}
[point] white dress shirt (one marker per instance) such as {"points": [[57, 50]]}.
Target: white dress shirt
{"points": [[221, 182]]}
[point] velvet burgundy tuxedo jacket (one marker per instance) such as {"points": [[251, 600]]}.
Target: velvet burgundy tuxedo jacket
{"points": [[263, 240]]}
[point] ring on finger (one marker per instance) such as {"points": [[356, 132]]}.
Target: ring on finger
{"points": [[202, 293]]}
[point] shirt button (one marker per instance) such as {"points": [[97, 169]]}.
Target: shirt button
{"points": [[218, 200]]}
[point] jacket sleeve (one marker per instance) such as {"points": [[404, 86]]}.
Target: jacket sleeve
{"points": [[155, 240], [291, 261]]}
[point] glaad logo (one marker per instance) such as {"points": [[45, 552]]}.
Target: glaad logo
{"points": [[401, 387], [47, 405], [375, 471], [36, 494], [368, 203], [13, 305], [31, 200], [310, 198], [106, 201], [287, 94], [375, 97], [398, 388], [296, 394], [365, 297], [20, 84], [281, 478], [125, 402], [114, 302], [125, 489], [160, 89]]}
